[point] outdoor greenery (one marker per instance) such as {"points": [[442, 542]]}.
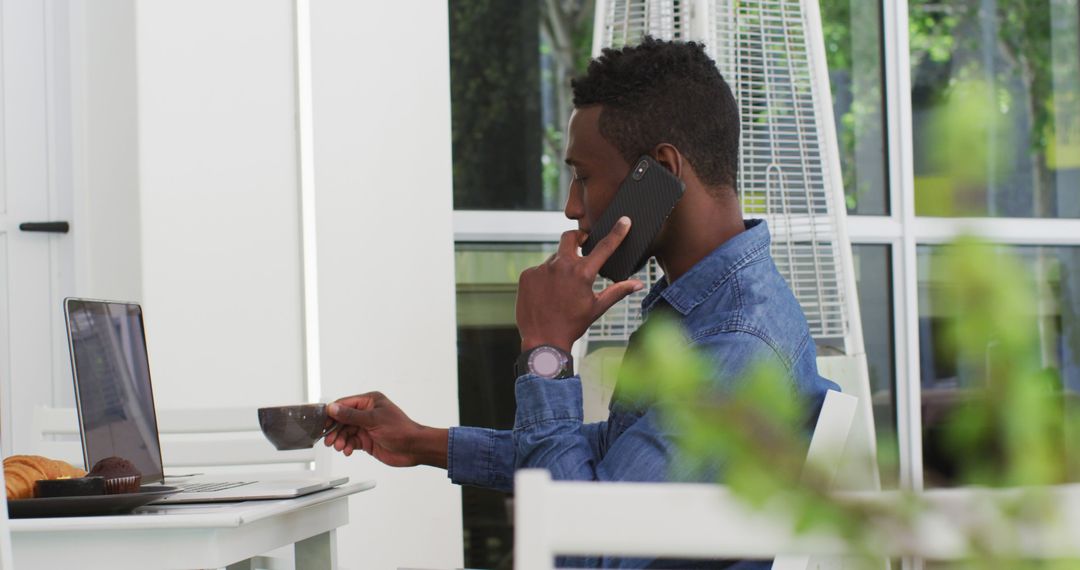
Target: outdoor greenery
{"points": [[1031, 99], [1007, 46], [852, 37], [495, 98], [565, 51]]}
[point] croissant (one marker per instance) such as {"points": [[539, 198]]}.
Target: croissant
{"points": [[21, 471]]}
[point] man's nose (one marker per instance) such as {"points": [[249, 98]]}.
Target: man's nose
{"points": [[575, 206]]}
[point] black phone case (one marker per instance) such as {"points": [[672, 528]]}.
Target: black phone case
{"points": [[647, 196]]}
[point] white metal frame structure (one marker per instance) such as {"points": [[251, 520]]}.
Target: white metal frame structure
{"points": [[772, 53]]}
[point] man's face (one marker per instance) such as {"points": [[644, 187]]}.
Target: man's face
{"points": [[596, 166]]}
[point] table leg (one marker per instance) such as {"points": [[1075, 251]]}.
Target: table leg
{"points": [[318, 552]]}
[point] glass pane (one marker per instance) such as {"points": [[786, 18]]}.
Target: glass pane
{"points": [[996, 107], [510, 70], [510, 97], [1057, 280], [873, 276], [488, 344], [852, 31]]}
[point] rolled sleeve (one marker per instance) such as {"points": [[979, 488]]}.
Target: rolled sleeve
{"points": [[541, 400], [481, 457]]}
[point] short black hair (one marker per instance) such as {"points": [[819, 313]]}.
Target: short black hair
{"points": [[665, 92]]}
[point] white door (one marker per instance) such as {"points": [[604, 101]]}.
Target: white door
{"points": [[33, 264]]}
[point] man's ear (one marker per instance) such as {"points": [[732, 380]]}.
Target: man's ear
{"points": [[670, 157]]}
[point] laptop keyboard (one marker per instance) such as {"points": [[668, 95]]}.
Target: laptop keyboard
{"points": [[211, 487]]}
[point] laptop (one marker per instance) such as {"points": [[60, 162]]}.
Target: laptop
{"points": [[115, 402]]}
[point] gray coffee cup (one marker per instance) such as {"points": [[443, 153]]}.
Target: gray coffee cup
{"points": [[295, 427]]}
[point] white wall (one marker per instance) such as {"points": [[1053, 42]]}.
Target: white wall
{"points": [[219, 201], [107, 230], [191, 204], [386, 283]]}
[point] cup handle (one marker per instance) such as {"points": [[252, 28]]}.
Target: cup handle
{"points": [[333, 427]]}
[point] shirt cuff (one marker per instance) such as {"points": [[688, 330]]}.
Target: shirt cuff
{"points": [[480, 457], [542, 399]]}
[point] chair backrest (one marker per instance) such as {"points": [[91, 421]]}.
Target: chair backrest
{"points": [[859, 467], [211, 437], [667, 519]]}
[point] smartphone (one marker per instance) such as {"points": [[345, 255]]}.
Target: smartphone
{"points": [[647, 196]]}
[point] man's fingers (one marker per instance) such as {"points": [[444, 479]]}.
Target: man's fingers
{"points": [[351, 416], [615, 293], [365, 442], [608, 245], [569, 242], [360, 401]]}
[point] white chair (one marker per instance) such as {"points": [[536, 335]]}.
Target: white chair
{"points": [[672, 520]]}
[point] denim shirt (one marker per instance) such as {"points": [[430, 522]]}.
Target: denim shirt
{"points": [[734, 306]]}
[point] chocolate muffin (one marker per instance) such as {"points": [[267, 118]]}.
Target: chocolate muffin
{"points": [[121, 476]]}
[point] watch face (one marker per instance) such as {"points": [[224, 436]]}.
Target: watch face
{"points": [[545, 362]]}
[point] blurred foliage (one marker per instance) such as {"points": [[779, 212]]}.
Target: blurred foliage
{"points": [[938, 30], [1010, 431], [963, 132], [1005, 46], [751, 437], [947, 49]]}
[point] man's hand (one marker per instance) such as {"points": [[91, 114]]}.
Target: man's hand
{"points": [[373, 423], [555, 301]]}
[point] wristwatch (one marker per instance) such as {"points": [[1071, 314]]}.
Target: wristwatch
{"points": [[545, 361]]}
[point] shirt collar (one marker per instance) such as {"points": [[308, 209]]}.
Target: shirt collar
{"points": [[706, 276]]}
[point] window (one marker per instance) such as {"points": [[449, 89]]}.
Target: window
{"points": [[510, 69], [873, 275], [852, 32], [1056, 272], [488, 344], [1011, 68]]}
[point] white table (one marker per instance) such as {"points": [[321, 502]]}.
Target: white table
{"points": [[185, 537]]}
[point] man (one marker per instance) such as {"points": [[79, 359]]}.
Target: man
{"points": [[667, 100]]}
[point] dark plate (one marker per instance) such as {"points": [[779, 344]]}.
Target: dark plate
{"points": [[87, 505]]}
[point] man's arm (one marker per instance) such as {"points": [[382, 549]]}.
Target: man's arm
{"points": [[372, 423], [549, 434], [472, 456], [481, 457]]}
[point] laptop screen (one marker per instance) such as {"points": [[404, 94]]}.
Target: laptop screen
{"points": [[112, 384]]}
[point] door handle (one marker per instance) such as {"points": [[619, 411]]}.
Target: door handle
{"points": [[51, 227]]}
